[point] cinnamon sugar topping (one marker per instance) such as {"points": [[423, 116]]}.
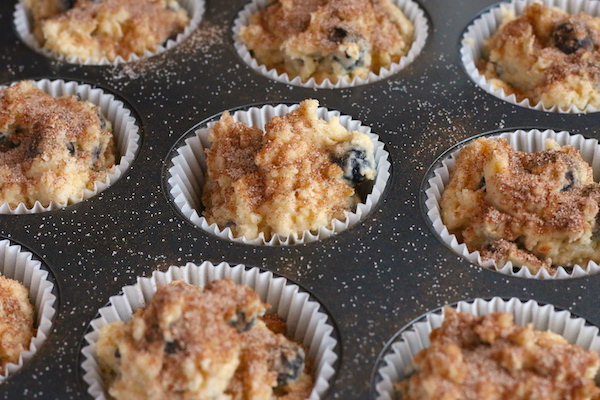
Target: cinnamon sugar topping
{"points": [[548, 56], [488, 358], [298, 176], [50, 148], [537, 210], [203, 344]]}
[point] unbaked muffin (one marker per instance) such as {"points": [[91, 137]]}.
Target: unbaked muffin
{"points": [[16, 321], [547, 56], [93, 30], [212, 343], [328, 39], [51, 149], [489, 358], [538, 210], [298, 175]]}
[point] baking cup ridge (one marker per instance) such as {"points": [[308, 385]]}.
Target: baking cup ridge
{"points": [[24, 24], [395, 361], [19, 264], [528, 141], [411, 9], [185, 177], [484, 26], [125, 132], [306, 323]]}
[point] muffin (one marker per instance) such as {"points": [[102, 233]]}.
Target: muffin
{"points": [[91, 30], [16, 322], [51, 149], [547, 56], [328, 39], [212, 343], [299, 175], [538, 210], [488, 357]]}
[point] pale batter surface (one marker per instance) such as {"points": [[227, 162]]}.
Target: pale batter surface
{"points": [[50, 148], [538, 210], [205, 344], [490, 358], [546, 55], [328, 39], [16, 321], [298, 175], [94, 29]]}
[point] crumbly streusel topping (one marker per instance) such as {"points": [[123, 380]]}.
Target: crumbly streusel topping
{"points": [[538, 209], [287, 181], [489, 358], [546, 55], [204, 344], [50, 148]]}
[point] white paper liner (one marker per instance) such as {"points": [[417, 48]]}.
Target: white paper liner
{"points": [[186, 177], [18, 264], [125, 131], [411, 10], [24, 27], [529, 141], [473, 41], [306, 324], [396, 359]]}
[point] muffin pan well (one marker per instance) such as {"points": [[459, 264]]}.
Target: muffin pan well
{"points": [[186, 163], [374, 278], [527, 141]]}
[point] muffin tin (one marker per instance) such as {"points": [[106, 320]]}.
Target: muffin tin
{"points": [[373, 278]]}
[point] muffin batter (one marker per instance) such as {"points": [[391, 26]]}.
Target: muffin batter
{"points": [[202, 344], [51, 149], [328, 39], [299, 175], [16, 321], [92, 29], [489, 358], [538, 210], [548, 56]]}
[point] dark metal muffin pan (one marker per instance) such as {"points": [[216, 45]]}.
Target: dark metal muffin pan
{"points": [[374, 278]]}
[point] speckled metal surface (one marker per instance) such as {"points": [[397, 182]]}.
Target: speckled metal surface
{"points": [[374, 278]]}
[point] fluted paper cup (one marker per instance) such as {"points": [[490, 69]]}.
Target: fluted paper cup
{"points": [[395, 362], [476, 34], [411, 10], [306, 322], [125, 132], [18, 264], [528, 141], [24, 27], [188, 163]]}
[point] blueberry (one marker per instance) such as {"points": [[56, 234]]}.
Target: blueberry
{"points": [[117, 353], [569, 37], [348, 62], [173, 347], [290, 364], [337, 35], [353, 163], [570, 181], [32, 150], [102, 121], [68, 4], [481, 183], [241, 322], [96, 153], [71, 148], [8, 143]]}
